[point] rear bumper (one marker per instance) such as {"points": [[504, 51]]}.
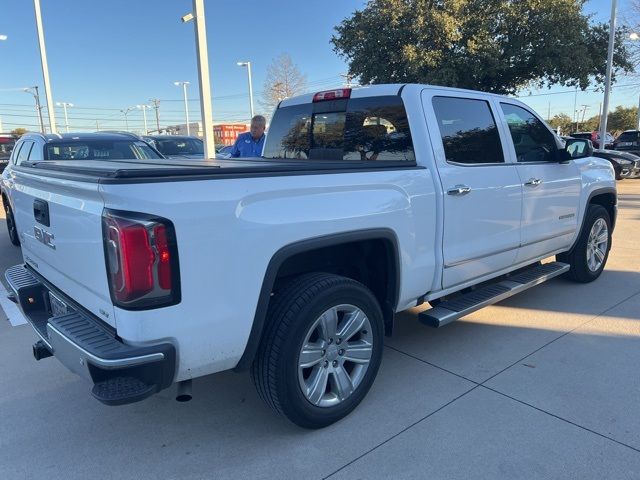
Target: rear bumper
{"points": [[120, 373]]}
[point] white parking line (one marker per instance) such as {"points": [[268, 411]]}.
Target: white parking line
{"points": [[12, 311]]}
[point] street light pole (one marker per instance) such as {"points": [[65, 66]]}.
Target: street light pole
{"points": [[248, 65], [144, 116], [45, 67], [36, 96], [607, 82], [64, 106], [197, 16], [186, 102]]}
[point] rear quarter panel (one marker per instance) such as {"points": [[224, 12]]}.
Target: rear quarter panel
{"points": [[229, 229]]}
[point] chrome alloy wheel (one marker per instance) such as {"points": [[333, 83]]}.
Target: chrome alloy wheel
{"points": [[597, 244], [335, 355]]}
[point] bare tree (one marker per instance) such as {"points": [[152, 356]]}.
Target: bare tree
{"points": [[630, 21], [283, 80]]}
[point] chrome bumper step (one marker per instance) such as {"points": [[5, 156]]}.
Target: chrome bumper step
{"points": [[448, 311]]}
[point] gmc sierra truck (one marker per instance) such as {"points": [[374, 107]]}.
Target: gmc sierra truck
{"points": [[140, 274]]}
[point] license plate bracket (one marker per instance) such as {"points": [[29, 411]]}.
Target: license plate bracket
{"points": [[58, 307]]}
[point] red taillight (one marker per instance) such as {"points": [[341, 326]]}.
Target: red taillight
{"points": [[164, 256], [332, 94], [141, 260]]}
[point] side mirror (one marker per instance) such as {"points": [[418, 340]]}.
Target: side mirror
{"points": [[577, 148]]}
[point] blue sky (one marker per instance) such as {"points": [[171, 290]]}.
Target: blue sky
{"points": [[106, 56]]}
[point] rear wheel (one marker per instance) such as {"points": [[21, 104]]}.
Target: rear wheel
{"points": [[11, 223], [590, 253], [321, 350]]}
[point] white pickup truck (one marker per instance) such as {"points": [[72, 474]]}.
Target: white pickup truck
{"points": [[141, 274]]}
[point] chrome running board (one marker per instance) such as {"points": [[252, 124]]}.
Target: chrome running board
{"points": [[448, 311]]}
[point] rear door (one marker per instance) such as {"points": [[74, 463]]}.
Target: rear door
{"points": [[551, 190], [482, 190], [60, 226]]}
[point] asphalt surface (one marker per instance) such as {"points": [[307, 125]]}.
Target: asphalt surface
{"points": [[542, 385]]}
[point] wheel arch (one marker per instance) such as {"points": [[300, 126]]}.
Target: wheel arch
{"points": [[607, 198], [298, 257]]}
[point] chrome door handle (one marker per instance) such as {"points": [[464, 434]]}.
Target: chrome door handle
{"points": [[533, 182], [459, 190]]}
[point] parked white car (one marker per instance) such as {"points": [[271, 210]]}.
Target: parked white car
{"points": [[366, 202]]}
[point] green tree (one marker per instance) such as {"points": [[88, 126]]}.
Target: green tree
{"points": [[563, 121], [492, 45], [19, 131], [592, 123], [622, 118]]}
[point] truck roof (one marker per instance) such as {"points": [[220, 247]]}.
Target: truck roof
{"points": [[65, 137], [379, 90]]}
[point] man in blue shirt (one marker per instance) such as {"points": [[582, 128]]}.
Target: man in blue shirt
{"points": [[249, 144]]}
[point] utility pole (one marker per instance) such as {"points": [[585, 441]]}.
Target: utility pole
{"points": [[549, 112], [347, 77], [45, 68], [125, 112], [97, 126], [607, 82], [156, 106], [584, 110]]}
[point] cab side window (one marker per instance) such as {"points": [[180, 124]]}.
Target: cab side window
{"points": [[23, 154], [16, 151], [468, 130], [532, 140], [36, 153]]}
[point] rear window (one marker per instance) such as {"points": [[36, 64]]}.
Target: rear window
{"points": [[99, 150], [187, 146], [628, 137], [368, 129]]}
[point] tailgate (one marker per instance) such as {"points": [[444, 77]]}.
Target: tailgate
{"points": [[60, 227]]}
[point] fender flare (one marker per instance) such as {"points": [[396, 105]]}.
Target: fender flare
{"points": [[595, 193], [307, 245]]}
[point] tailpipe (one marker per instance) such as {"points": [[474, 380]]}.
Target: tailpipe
{"points": [[184, 391]]}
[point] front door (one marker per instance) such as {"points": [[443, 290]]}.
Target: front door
{"points": [[551, 190], [482, 189]]}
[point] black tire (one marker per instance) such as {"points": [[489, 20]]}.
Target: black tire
{"points": [[293, 311], [11, 223], [577, 257]]}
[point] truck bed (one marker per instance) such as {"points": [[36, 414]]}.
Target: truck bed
{"points": [[138, 171]]}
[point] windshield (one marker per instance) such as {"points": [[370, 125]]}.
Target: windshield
{"points": [[628, 137], [100, 150], [180, 146]]}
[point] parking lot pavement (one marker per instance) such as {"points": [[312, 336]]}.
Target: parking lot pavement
{"points": [[542, 385]]}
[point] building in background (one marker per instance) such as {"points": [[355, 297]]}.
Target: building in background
{"points": [[226, 133], [223, 133]]}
